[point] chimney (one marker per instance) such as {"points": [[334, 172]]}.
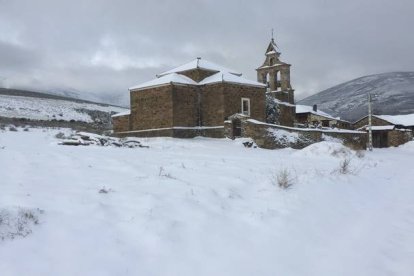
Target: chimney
{"points": [[315, 108]]}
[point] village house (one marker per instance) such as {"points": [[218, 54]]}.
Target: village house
{"points": [[310, 116], [195, 99], [388, 130]]}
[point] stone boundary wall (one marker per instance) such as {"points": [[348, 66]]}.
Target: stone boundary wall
{"points": [[271, 136], [176, 132]]}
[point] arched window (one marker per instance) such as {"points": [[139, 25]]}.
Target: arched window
{"points": [[271, 61]]}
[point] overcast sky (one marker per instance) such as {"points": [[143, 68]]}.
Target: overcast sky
{"points": [[105, 46]]}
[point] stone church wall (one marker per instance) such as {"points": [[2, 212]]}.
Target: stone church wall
{"points": [[152, 108], [232, 100], [212, 104], [188, 110], [185, 105], [287, 115], [120, 123]]}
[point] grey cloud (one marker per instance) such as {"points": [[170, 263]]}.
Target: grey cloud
{"points": [[14, 57], [105, 46]]}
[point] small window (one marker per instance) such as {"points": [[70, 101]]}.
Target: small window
{"points": [[245, 106]]}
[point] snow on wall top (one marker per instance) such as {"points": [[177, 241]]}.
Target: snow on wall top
{"points": [[229, 78], [199, 64], [380, 127], [122, 114], [404, 120], [309, 109], [327, 130], [166, 79]]}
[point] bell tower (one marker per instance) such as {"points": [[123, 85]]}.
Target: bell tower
{"points": [[276, 74]]}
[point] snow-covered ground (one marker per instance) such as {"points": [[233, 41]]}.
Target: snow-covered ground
{"points": [[49, 109], [204, 207]]}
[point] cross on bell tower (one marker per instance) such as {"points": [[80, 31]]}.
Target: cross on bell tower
{"points": [[276, 74]]}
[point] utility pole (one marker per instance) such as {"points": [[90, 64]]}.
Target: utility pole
{"points": [[369, 122]]}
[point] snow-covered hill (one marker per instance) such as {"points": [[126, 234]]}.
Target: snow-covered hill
{"points": [[203, 207], [38, 106], [120, 99], [349, 100]]}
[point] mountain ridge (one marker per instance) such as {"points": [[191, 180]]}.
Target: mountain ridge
{"points": [[51, 95], [393, 94]]}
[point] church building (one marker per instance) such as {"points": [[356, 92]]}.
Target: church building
{"points": [[195, 99]]}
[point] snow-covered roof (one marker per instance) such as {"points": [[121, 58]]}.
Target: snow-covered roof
{"points": [[200, 64], [181, 79], [229, 78], [309, 109], [282, 103], [122, 114], [167, 79], [404, 120]]}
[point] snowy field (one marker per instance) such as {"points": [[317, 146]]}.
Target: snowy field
{"points": [[49, 109], [202, 207]]}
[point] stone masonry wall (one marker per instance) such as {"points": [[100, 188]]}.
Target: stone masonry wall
{"points": [[158, 109], [287, 115], [397, 137], [274, 136], [212, 104], [185, 106], [375, 122], [232, 100], [152, 108], [120, 123]]}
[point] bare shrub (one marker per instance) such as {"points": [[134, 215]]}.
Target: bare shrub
{"points": [[163, 173], [284, 178], [12, 128], [18, 223], [344, 166]]}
